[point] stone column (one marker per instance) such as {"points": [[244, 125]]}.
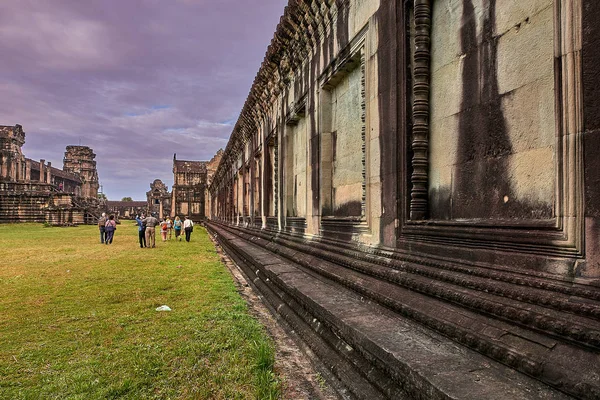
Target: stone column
{"points": [[49, 173], [27, 171], [42, 170]]}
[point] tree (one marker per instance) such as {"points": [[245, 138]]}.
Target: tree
{"points": [[102, 196], [126, 199]]}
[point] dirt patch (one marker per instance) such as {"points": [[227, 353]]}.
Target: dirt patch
{"points": [[295, 364]]}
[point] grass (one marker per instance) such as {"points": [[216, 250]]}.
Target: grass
{"points": [[78, 320]]}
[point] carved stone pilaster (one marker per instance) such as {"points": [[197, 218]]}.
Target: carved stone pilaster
{"points": [[420, 131], [363, 132]]}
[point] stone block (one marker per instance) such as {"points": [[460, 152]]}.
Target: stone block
{"points": [[443, 141], [361, 12], [347, 171], [446, 90], [533, 175], [530, 116], [348, 193], [445, 35], [374, 160], [526, 54], [513, 13]]}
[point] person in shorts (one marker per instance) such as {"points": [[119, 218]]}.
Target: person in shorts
{"points": [[177, 226]]}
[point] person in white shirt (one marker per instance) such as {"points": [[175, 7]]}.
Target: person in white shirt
{"points": [[188, 227]]}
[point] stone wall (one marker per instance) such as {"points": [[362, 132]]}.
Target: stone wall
{"points": [[126, 209], [345, 134], [12, 161], [158, 199], [79, 160], [495, 75], [436, 159], [32, 191], [189, 189]]}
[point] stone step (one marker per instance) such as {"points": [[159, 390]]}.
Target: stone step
{"points": [[388, 339], [343, 375], [427, 266], [569, 317], [527, 280], [531, 352]]}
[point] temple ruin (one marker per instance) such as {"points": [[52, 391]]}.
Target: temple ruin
{"points": [[190, 187], [126, 209], [158, 199], [35, 191], [189, 193], [413, 187]]}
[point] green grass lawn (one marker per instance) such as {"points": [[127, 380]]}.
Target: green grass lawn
{"points": [[78, 319]]}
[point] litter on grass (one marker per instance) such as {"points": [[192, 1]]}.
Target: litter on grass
{"points": [[163, 308]]}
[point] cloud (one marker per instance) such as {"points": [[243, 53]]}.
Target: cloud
{"points": [[135, 80]]}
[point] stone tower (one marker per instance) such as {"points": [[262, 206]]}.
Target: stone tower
{"points": [[80, 160], [12, 161]]}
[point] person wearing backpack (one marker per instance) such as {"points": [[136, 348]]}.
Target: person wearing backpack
{"points": [[177, 224], [188, 227], [164, 228], [170, 227]]}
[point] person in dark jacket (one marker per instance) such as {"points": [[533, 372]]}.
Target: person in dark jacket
{"points": [[141, 230]]}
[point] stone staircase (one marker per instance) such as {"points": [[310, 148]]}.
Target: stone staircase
{"points": [[30, 208], [392, 325], [40, 202], [91, 214]]}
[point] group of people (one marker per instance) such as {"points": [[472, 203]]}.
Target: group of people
{"points": [[107, 227], [147, 229]]}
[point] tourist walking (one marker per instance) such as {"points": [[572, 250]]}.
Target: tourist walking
{"points": [[164, 228], [150, 223], [101, 227], [141, 230], [177, 224], [110, 228], [188, 227], [170, 227]]}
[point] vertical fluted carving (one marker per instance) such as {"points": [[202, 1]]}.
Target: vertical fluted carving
{"points": [[276, 176], [363, 132], [420, 131]]}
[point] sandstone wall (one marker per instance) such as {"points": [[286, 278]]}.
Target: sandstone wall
{"points": [[451, 190], [418, 125], [493, 123]]}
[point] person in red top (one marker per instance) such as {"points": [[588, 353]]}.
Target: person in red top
{"points": [[164, 228], [109, 228]]}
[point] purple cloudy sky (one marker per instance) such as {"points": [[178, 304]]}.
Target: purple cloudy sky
{"points": [[136, 80]]}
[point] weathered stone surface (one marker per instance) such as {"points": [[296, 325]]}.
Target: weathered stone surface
{"points": [[396, 342], [449, 175], [79, 160], [33, 191]]}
